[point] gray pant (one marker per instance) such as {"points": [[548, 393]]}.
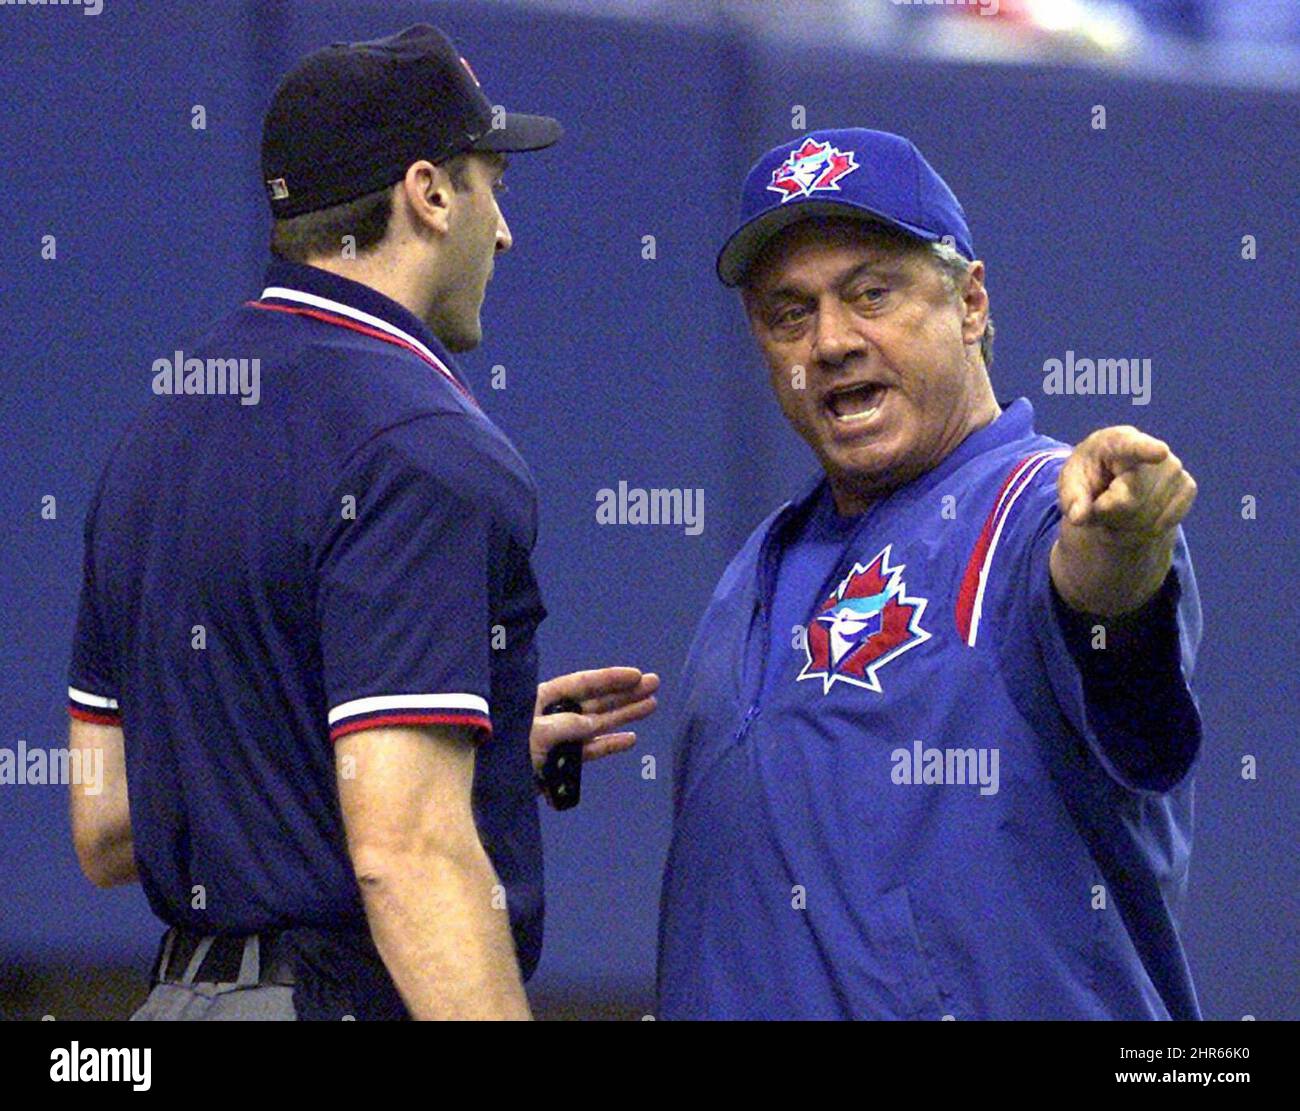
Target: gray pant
{"points": [[244, 1000]]}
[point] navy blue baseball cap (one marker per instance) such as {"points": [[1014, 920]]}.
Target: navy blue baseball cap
{"points": [[853, 172], [350, 118]]}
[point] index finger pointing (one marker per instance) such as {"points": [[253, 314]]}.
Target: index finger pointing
{"points": [[1129, 448]]}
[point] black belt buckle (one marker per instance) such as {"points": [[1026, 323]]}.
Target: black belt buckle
{"points": [[224, 959]]}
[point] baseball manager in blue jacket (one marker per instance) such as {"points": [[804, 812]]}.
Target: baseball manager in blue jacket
{"points": [[938, 744]]}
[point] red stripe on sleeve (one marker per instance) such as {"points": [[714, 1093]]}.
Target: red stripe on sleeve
{"points": [[94, 717], [476, 720]]}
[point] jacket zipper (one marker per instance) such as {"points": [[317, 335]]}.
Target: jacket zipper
{"points": [[751, 713], [764, 620], [765, 617]]}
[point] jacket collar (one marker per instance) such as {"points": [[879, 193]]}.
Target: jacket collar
{"points": [[1015, 422], [292, 283]]}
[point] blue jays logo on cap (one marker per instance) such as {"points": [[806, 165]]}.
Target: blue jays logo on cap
{"points": [[852, 173], [866, 621], [812, 167]]}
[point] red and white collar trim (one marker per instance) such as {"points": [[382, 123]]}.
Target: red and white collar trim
{"points": [[405, 339]]}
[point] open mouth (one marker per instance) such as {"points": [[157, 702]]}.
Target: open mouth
{"points": [[855, 404]]}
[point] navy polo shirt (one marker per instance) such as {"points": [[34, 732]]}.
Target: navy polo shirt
{"points": [[350, 551]]}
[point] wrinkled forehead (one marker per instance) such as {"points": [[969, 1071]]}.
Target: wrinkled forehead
{"points": [[809, 247]]}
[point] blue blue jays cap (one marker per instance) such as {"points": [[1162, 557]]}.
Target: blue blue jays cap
{"points": [[851, 172]]}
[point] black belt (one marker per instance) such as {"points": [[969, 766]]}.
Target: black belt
{"points": [[248, 959]]}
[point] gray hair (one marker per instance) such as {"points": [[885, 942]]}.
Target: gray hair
{"points": [[954, 268]]}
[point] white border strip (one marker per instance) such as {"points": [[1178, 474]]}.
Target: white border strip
{"points": [[408, 702], [1017, 486], [285, 294], [98, 701]]}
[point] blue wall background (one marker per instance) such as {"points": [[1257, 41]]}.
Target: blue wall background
{"points": [[1118, 242]]}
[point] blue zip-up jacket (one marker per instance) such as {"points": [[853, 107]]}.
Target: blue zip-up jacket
{"points": [[946, 794]]}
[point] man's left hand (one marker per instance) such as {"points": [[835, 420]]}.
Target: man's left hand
{"points": [[611, 697]]}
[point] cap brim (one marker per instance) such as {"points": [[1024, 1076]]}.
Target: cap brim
{"points": [[521, 132], [741, 251]]}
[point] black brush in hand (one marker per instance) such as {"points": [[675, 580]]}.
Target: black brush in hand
{"points": [[562, 772]]}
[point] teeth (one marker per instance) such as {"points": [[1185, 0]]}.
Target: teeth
{"points": [[866, 414]]}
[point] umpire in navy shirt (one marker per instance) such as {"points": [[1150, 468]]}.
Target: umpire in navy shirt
{"points": [[305, 642]]}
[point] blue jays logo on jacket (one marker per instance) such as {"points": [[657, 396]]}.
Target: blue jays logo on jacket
{"points": [[865, 622], [814, 166]]}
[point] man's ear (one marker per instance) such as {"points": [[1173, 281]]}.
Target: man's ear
{"points": [[975, 303], [426, 192]]}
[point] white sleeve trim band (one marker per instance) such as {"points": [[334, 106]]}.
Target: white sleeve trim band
{"points": [[376, 703], [96, 700]]}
